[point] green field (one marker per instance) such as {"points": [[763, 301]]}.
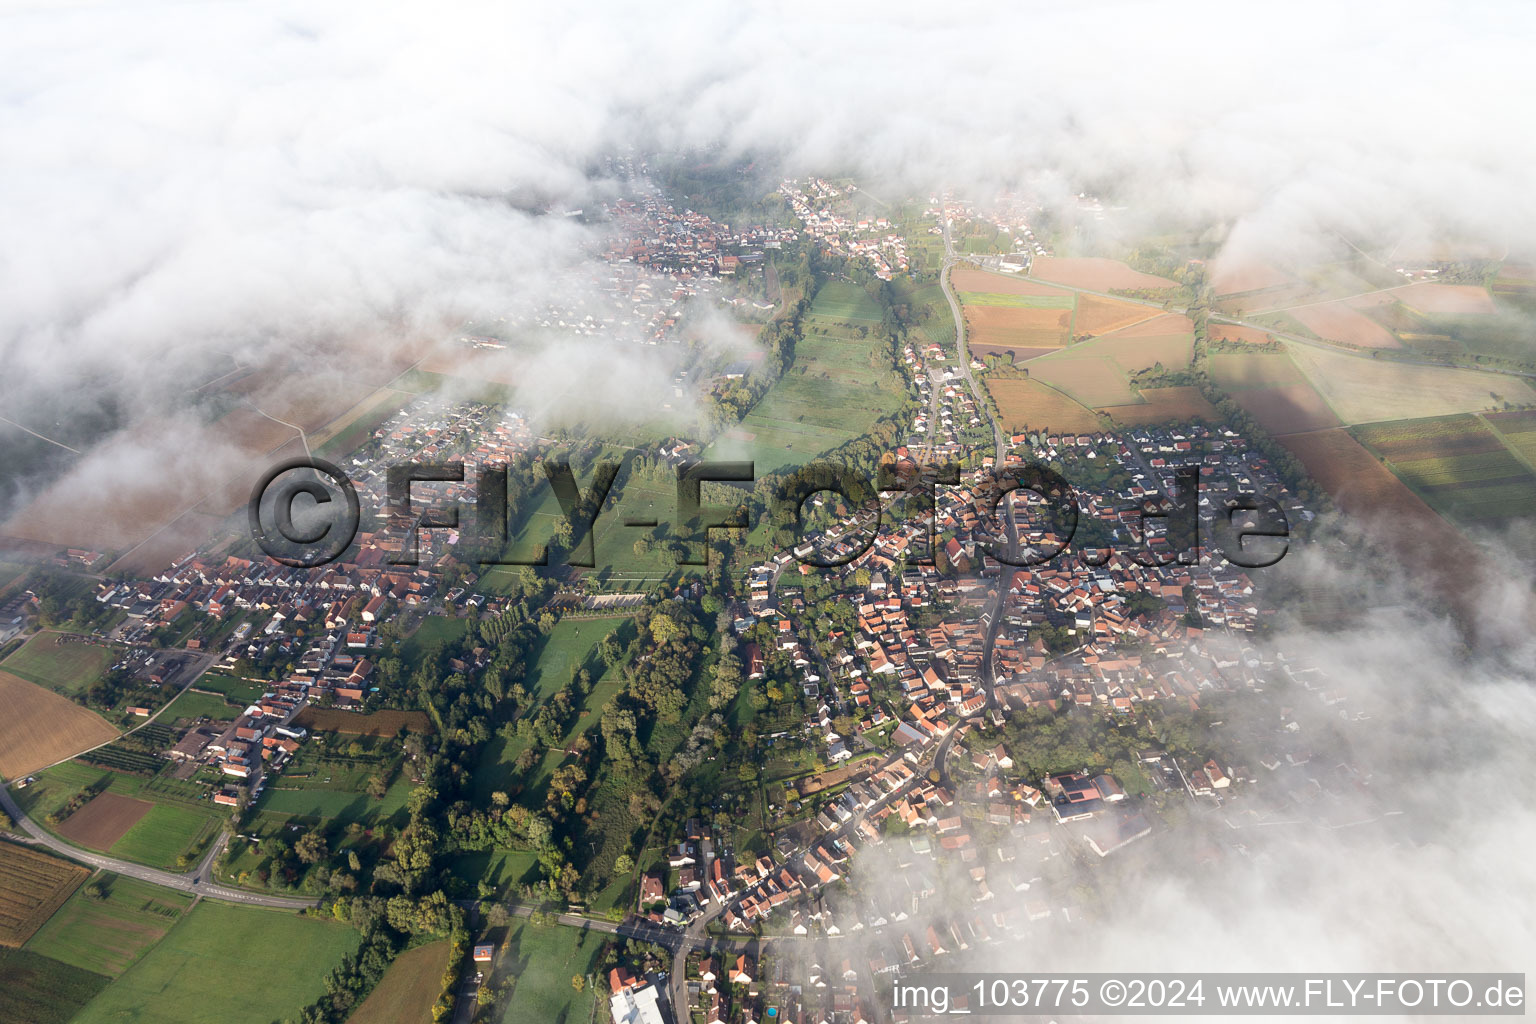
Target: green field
{"points": [[839, 384], [166, 833], [1518, 432], [230, 965], [40, 990], [501, 868], [200, 705], [181, 816], [66, 667], [434, 629], [323, 802], [108, 935], [544, 958]]}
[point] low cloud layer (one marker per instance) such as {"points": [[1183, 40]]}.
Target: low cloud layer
{"points": [[190, 188]]}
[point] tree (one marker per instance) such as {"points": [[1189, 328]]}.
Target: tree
{"points": [[377, 787], [5, 822], [578, 982], [311, 847]]}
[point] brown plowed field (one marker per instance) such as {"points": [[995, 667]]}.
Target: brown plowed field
{"points": [[1287, 409], [1336, 321], [380, 723], [103, 821]]}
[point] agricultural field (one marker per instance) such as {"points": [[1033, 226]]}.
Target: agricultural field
{"points": [[1337, 321], [166, 834], [970, 279], [1085, 376], [268, 966], [1235, 276], [408, 989], [1238, 334], [1518, 429], [839, 384], [32, 886], [544, 958], [107, 936], [1364, 390], [1096, 316], [62, 662], [1025, 404], [41, 990], [103, 821], [179, 821], [1095, 274], [990, 329], [1168, 340], [1428, 297], [1457, 465], [40, 727], [1163, 405]]}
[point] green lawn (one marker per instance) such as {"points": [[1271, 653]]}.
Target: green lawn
{"points": [[544, 958], [344, 806], [107, 936], [200, 705], [498, 867], [60, 663], [238, 690], [227, 965], [433, 629]]}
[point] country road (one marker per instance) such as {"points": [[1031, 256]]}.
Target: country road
{"points": [[194, 881]]}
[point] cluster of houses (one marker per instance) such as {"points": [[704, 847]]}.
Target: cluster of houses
{"points": [[873, 240]]}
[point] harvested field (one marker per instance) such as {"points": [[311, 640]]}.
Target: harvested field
{"points": [[1094, 273], [1336, 321], [1094, 380], [408, 989], [1028, 403], [1164, 405], [1239, 334], [1237, 370], [1287, 408], [1097, 316], [1281, 297], [1014, 326], [1158, 326], [379, 723], [32, 886], [1132, 352], [1463, 299], [104, 820], [40, 727], [969, 279], [180, 538], [1233, 276], [1364, 390]]}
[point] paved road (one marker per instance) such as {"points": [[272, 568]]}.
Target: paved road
{"points": [[194, 881]]}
